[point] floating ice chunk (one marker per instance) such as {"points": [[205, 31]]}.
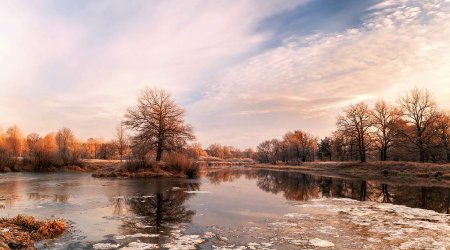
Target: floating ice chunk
{"points": [[296, 215], [138, 235], [139, 246], [209, 235], [321, 243], [105, 246]]}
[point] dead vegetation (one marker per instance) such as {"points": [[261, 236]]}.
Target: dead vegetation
{"points": [[22, 231], [174, 165]]}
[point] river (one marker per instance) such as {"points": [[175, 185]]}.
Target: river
{"points": [[233, 208]]}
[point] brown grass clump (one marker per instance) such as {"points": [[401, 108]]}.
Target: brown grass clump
{"points": [[181, 163], [22, 231]]}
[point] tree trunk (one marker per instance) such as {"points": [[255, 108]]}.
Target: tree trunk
{"points": [[422, 155], [363, 190], [448, 155], [362, 154], [159, 153]]}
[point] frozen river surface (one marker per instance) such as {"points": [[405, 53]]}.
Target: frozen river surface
{"points": [[232, 209]]}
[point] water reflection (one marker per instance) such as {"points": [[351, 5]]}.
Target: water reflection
{"points": [[300, 186], [63, 198], [154, 214]]}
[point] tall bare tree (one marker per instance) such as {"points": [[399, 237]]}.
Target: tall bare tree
{"points": [[384, 120], [158, 122], [121, 140], [419, 111], [357, 123], [443, 129]]}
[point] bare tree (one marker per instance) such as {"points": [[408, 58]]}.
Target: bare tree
{"points": [[357, 123], [158, 122], [13, 141], [66, 143], [121, 140], [267, 151], [443, 128], [33, 141], [419, 111], [384, 120]]}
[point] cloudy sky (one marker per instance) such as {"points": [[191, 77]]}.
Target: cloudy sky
{"points": [[244, 70]]}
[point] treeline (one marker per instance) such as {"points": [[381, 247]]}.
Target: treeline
{"points": [[57, 149], [413, 129], [217, 150]]}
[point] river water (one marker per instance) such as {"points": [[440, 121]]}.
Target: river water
{"points": [[233, 208]]}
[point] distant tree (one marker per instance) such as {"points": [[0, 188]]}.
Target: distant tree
{"points": [[267, 151], [443, 133], [301, 144], [14, 140], [357, 123], [419, 112], [107, 150], [196, 151], [158, 123], [248, 153], [385, 118], [121, 140], [33, 143], [67, 146], [93, 145], [216, 150], [324, 151]]}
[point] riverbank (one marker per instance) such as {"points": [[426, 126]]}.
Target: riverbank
{"points": [[83, 165], [21, 232], [426, 173]]}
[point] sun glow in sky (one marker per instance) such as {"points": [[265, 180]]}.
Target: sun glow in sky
{"points": [[245, 71]]}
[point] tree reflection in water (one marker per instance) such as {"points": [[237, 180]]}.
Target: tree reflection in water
{"points": [[158, 213], [299, 186]]}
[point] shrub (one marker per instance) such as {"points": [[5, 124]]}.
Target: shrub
{"points": [[181, 163], [6, 161], [136, 164]]}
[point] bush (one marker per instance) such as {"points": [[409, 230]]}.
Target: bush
{"points": [[6, 161], [45, 229], [134, 165], [181, 163]]}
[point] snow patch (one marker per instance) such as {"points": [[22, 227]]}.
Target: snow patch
{"points": [[105, 246], [138, 235], [197, 192], [320, 243]]}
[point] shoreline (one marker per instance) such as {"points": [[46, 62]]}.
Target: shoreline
{"points": [[389, 172]]}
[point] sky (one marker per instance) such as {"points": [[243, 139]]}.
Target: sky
{"points": [[245, 71]]}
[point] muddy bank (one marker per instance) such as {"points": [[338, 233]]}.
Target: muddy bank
{"points": [[424, 173], [112, 172], [85, 165], [150, 170], [21, 232]]}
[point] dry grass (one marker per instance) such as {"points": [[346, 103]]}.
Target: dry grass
{"points": [[174, 165], [22, 231], [181, 163]]}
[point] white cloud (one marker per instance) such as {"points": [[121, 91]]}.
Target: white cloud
{"points": [[83, 68], [304, 83]]}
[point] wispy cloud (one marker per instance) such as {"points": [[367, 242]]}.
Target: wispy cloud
{"points": [[81, 64], [304, 83]]}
